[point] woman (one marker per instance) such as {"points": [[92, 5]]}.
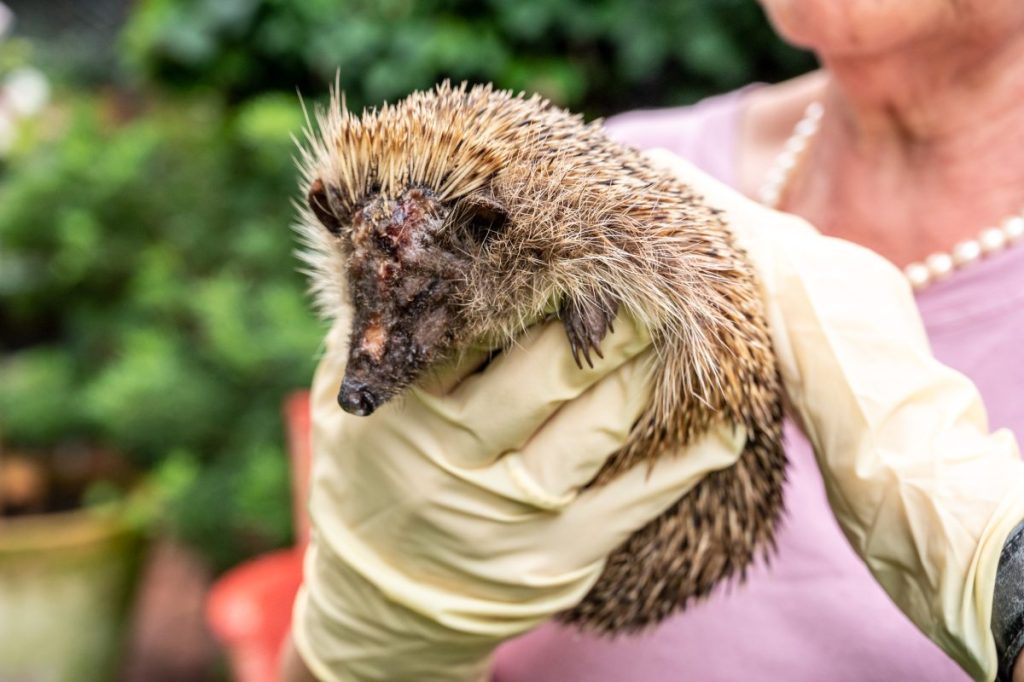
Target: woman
{"points": [[920, 147]]}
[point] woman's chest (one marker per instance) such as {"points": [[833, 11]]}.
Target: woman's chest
{"points": [[987, 347]]}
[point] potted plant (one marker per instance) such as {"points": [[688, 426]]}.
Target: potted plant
{"points": [[67, 567]]}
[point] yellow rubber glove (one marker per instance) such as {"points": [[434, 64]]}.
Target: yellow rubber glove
{"points": [[450, 520]]}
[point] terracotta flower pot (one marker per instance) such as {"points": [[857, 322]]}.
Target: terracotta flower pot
{"points": [[66, 580]]}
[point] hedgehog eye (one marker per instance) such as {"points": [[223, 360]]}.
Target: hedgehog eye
{"points": [[320, 203], [482, 216]]}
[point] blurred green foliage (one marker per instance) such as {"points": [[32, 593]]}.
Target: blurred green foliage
{"points": [[597, 56], [149, 299]]}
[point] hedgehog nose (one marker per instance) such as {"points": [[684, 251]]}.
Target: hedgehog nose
{"points": [[356, 398]]}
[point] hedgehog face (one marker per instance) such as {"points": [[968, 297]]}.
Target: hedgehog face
{"points": [[407, 261]]}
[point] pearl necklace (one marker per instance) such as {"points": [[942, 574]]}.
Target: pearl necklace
{"points": [[936, 266]]}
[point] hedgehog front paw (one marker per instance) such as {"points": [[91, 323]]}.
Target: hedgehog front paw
{"points": [[586, 323]]}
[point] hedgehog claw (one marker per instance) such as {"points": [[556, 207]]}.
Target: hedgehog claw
{"points": [[586, 324], [586, 354], [575, 349]]}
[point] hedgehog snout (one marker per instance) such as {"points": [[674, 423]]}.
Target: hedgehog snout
{"points": [[355, 397]]}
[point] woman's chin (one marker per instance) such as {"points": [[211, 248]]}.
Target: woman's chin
{"points": [[860, 27]]}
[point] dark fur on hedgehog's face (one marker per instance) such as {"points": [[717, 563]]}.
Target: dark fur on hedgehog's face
{"points": [[407, 261]]}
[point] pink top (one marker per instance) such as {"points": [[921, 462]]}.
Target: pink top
{"points": [[815, 613]]}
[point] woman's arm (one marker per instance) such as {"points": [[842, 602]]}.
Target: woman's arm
{"points": [[925, 494]]}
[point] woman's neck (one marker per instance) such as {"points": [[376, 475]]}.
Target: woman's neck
{"points": [[919, 148]]}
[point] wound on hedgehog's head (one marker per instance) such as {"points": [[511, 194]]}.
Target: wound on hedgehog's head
{"points": [[407, 253]]}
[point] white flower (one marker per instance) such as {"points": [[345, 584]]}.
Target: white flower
{"points": [[26, 91], [6, 19]]}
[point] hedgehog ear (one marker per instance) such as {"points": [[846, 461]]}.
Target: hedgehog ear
{"points": [[483, 215], [319, 204]]}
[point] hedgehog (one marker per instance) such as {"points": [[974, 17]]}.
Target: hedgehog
{"points": [[464, 215]]}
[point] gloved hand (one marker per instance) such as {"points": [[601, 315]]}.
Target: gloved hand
{"points": [[452, 519]]}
